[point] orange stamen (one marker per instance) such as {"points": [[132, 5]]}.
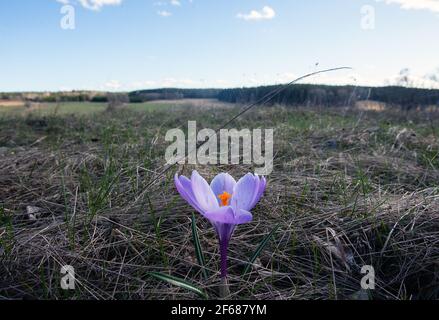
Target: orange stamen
{"points": [[225, 198]]}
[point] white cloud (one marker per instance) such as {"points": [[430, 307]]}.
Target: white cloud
{"points": [[93, 4], [431, 5], [137, 85], [364, 77], [113, 85], [116, 85], [184, 82], [164, 13], [222, 83], [407, 78], [162, 3], [266, 13]]}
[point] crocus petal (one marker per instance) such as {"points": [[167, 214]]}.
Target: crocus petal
{"points": [[260, 191], [223, 182], [243, 216], [203, 194], [228, 216], [222, 215], [244, 193], [184, 187]]}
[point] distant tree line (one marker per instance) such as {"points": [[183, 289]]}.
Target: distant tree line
{"points": [[173, 94], [48, 97], [322, 95], [297, 95], [105, 97]]}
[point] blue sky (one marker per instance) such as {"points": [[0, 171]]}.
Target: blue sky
{"points": [[132, 44]]}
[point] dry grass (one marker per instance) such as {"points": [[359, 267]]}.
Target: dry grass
{"points": [[11, 103], [349, 189]]}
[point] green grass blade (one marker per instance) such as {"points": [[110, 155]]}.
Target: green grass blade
{"points": [[198, 250], [259, 249], [179, 283]]}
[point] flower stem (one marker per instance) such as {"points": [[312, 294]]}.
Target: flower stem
{"points": [[224, 286], [223, 252], [224, 291]]}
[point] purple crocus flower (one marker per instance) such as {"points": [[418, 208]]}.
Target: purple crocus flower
{"points": [[225, 203]]}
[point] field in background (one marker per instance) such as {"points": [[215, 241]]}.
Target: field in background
{"points": [[82, 108], [349, 188]]}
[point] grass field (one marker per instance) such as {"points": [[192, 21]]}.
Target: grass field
{"points": [[349, 188], [76, 108]]}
